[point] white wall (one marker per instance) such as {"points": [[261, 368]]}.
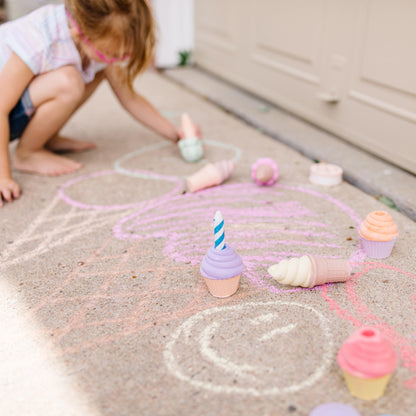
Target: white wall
{"points": [[175, 30]]}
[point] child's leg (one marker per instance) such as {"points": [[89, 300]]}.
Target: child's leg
{"points": [[63, 144], [55, 95]]}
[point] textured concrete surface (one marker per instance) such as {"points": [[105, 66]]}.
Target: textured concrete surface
{"points": [[103, 310], [369, 173]]}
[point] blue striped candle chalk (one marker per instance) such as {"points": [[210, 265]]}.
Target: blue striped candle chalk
{"points": [[219, 231]]}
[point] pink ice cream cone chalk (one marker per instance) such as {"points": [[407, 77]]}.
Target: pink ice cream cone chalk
{"points": [[190, 146], [222, 266], [212, 174], [265, 171], [367, 360], [310, 271], [188, 127]]}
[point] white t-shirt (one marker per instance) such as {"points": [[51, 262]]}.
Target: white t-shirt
{"points": [[42, 40]]}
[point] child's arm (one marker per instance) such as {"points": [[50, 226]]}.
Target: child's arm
{"points": [[14, 78], [140, 108]]}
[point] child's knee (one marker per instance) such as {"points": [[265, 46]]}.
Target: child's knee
{"points": [[71, 84]]}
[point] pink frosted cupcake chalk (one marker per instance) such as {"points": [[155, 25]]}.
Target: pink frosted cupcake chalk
{"points": [[265, 171], [367, 360]]}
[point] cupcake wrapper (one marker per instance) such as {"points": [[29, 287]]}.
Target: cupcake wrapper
{"points": [[366, 389], [377, 249], [223, 288]]}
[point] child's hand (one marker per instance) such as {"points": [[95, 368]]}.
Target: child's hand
{"points": [[9, 190]]}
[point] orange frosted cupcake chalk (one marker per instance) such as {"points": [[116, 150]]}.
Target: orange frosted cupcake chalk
{"points": [[378, 233], [378, 226]]}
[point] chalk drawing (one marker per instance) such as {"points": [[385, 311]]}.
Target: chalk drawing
{"points": [[178, 186], [118, 164], [278, 331], [54, 227], [206, 351], [359, 313], [79, 303], [119, 169], [269, 318], [262, 225]]}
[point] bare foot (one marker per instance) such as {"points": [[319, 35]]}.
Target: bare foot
{"points": [[44, 162], [61, 144]]}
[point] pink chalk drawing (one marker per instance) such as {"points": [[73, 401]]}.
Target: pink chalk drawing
{"points": [[108, 297], [262, 224], [358, 313], [265, 225]]}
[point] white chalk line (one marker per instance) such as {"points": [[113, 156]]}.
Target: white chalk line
{"points": [[60, 232], [268, 317], [278, 331], [210, 355], [156, 146], [227, 365], [128, 172], [186, 328]]}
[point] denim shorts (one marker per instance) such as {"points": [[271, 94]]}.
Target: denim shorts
{"points": [[20, 116]]}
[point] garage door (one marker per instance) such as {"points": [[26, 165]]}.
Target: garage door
{"points": [[348, 66]]}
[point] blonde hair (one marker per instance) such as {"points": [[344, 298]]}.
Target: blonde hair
{"points": [[128, 22]]}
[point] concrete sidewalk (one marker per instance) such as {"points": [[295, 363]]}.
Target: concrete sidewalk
{"points": [[102, 307]]}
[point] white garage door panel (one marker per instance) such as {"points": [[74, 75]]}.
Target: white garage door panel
{"points": [[278, 33], [217, 29], [381, 105], [278, 43], [389, 39], [384, 71]]}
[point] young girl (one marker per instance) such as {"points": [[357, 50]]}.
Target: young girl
{"points": [[51, 61]]}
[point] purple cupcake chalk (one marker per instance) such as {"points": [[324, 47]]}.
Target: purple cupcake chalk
{"points": [[334, 409]]}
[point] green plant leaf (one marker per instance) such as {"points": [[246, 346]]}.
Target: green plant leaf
{"points": [[387, 201], [184, 57]]}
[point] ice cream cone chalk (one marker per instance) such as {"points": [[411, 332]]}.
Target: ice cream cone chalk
{"points": [[190, 146], [212, 174], [310, 271]]}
